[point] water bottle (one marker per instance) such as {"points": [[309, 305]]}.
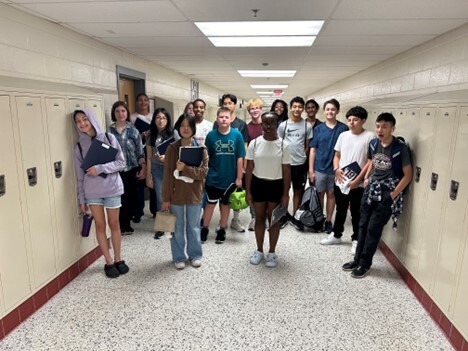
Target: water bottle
{"points": [[86, 228]]}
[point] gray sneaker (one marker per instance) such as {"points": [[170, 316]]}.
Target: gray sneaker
{"points": [[237, 226], [271, 260], [256, 257], [252, 225]]}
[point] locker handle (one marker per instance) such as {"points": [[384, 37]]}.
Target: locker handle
{"points": [[94, 105], [434, 179], [2, 185], [77, 105], [428, 113], [58, 169], [56, 105], [29, 104], [417, 176], [32, 176], [446, 114], [454, 189]]}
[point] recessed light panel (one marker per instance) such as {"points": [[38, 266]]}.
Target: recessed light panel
{"points": [[283, 41], [270, 86], [259, 28], [265, 73]]}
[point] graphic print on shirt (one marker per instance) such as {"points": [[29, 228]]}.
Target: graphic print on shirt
{"points": [[382, 162], [224, 148]]}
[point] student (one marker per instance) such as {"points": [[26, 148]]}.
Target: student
{"points": [[203, 126], [184, 198], [226, 151], [96, 192], [388, 175], [255, 129], [350, 147], [267, 179], [311, 108], [135, 166], [160, 131], [188, 110], [297, 133], [229, 101], [322, 151], [142, 112], [281, 109]]}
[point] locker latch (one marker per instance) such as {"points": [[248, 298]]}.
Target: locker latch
{"points": [[434, 179], [58, 169], [417, 175], [2, 185], [454, 189], [32, 176]]}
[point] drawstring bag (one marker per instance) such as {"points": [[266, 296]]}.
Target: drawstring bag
{"points": [[86, 227], [237, 200], [165, 222]]}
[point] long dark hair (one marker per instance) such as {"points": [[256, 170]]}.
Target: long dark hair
{"points": [[167, 132], [284, 115]]}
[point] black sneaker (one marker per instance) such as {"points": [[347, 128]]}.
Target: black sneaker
{"points": [[121, 267], [283, 221], [328, 227], [128, 231], [359, 272], [220, 236], [349, 266], [204, 234], [297, 224], [136, 219], [158, 235], [111, 271]]}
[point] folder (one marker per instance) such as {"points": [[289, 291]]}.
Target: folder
{"points": [[99, 153], [164, 145], [278, 213], [141, 125], [351, 171], [191, 155]]}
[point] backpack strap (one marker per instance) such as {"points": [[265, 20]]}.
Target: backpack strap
{"points": [[81, 149]]}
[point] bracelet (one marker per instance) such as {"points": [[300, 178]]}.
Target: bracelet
{"points": [[335, 169]]}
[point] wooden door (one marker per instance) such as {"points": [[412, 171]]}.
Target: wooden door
{"points": [[127, 93]]}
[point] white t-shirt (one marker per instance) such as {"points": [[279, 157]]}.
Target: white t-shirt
{"points": [[147, 118], [297, 134], [353, 148], [268, 157], [203, 128]]}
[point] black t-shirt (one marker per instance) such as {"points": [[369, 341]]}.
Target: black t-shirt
{"points": [[382, 160]]}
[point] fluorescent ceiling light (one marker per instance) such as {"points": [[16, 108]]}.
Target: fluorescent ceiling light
{"points": [[265, 93], [260, 28], [270, 86], [265, 73], [283, 41]]}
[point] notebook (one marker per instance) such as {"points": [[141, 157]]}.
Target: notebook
{"points": [[99, 153], [191, 155], [278, 213], [141, 125], [164, 145]]}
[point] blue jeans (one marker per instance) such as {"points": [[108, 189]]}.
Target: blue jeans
{"points": [[187, 226], [157, 172]]}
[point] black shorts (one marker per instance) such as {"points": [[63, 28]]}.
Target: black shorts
{"points": [[265, 190], [214, 194], [299, 176]]}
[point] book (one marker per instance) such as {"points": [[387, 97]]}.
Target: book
{"points": [[99, 153], [141, 125], [278, 213], [164, 145], [191, 155], [350, 172]]}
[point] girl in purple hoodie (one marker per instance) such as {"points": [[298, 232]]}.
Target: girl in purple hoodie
{"points": [[96, 191]]}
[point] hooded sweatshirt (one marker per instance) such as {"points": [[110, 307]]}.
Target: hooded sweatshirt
{"points": [[90, 187]]}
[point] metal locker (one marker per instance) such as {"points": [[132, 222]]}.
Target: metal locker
{"points": [[460, 306], [446, 122], [35, 175], [96, 106], [60, 128], [453, 230], [14, 270]]}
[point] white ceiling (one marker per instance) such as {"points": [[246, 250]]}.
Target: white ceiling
{"points": [[357, 34]]}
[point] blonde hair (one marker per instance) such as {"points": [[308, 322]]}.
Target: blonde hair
{"points": [[254, 102]]}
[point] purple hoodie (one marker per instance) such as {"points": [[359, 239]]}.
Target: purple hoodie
{"points": [[90, 187]]}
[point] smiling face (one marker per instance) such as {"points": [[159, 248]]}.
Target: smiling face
{"points": [[83, 124], [199, 110], [296, 110], [330, 111], [143, 105], [279, 108], [120, 114], [311, 110], [255, 112], [269, 126], [160, 121]]}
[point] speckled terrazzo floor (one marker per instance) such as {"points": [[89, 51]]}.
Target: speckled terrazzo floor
{"points": [[306, 303]]}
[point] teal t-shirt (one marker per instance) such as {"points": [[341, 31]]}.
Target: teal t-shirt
{"points": [[223, 152]]}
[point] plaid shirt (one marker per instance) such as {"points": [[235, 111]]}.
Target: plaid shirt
{"points": [[130, 142], [374, 193]]}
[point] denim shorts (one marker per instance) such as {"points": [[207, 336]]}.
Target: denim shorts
{"points": [[324, 181], [107, 202]]}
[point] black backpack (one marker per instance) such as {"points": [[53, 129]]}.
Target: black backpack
{"points": [[310, 212]]}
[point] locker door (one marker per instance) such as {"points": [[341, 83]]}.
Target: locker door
{"points": [[14, 270], [422, 151], [460, 306], [436, 196], [60, 129], [35, 176], [96, 106], [453, 230]]}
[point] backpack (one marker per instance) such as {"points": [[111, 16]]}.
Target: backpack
{"points": [[310, 212], [398, 144]]}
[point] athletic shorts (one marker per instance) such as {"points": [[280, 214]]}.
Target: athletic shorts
{"points": [[266, 190], [299, 176], [324, 182], [214, 194]]}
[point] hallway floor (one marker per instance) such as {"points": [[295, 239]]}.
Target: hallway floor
{"points": [[306, 303]]}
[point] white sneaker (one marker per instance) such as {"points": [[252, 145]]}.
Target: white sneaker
{"points": [[330, 240], [353, 247], [237, 226], [196, 263], [271, 260], [256, 257], [252, 225], [179, 265]]}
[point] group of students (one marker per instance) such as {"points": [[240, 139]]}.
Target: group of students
{"points": [[275, 150]]}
